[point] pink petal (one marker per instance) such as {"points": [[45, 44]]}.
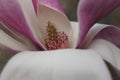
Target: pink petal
{"points": [[54, 4], [35, 4], [12, 16], [8, 50], [102, 31], [89, 12], [10, 43], [111, 34]]}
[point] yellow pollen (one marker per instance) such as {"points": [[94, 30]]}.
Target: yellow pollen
{"points": [[52, 32], [55, 39]]}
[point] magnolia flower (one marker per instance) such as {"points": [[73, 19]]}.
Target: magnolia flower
{"points": [[51, 47]]}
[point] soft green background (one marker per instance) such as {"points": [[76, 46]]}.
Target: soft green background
{"points": [[70, 7]]}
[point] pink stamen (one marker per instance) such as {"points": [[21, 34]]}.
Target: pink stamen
{"points": [[59, 40]]}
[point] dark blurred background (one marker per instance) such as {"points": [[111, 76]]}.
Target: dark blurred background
{"points": [[70, 7]]}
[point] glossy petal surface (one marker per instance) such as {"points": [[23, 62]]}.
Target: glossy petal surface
{"points": [[89, 12]]}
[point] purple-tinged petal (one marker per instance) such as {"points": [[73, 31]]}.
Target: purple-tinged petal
{"points": [[10, 44], [12, 16], [102, 31], [16, 39], [89, 12], [54, 4], [111, 34], [7, 50], [35, 4], [31, 18]]}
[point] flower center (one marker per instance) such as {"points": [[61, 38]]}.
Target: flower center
{"points": [[55, 39]]}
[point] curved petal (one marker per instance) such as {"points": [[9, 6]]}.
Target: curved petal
{"points": [[8, 43], [89, 12], [35, 4], [115, 73], [50, 14], [12, 16], [11, 43], [45, 14], [64, 64], [110, 53], [102, 31], [54, 4], [75, 29], [107, 50]]}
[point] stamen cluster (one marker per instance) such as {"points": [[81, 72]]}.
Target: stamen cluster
{"points": [[55, 39]]}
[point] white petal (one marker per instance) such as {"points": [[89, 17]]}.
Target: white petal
{"points": [[75, 28], [69, 64], [8, 42], [107, 50], [29, 12], [61, 22]]}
